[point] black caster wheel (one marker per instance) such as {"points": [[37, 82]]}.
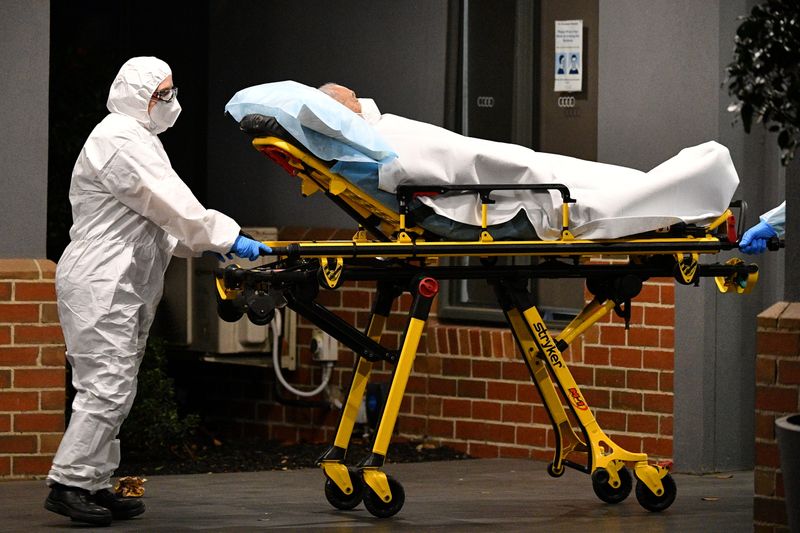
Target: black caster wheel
{"points": [[227, 311], [653, 502], [551, 469], [606, 492], [381, 509], [338, 498]]}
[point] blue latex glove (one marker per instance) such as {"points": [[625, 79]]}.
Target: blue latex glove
{"points": [[754, 240], [247, 248]]}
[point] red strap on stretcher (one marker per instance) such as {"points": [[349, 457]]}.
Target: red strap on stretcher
{"points": [[281, 157]]}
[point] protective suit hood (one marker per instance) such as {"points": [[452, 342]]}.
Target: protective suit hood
{"points": [[135, 83]]}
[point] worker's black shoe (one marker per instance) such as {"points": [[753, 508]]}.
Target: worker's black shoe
{"points": [[121, 508], [77, 504]]}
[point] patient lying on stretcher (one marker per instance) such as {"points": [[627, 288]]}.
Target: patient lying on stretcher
{"points": [[693, 187], [613, 201]]}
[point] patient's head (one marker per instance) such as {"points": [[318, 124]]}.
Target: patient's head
{"points": [[343, 95]]}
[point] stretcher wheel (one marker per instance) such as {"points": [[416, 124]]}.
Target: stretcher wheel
{"points": [[654, 503], [551, 469], [606, 492], [380, 508], [339, 499], [227, 311]]}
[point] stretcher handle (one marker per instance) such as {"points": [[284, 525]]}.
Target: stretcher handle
{"points": [[774, 244], [406, 192]]}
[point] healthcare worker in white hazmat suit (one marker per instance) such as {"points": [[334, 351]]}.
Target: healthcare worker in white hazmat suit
{"points": [[131, 213]]}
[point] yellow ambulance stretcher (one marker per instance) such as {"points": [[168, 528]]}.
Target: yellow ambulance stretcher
{"points": [[390, 249]]}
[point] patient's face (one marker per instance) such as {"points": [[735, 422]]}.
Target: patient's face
{"points": [[347, 97]]}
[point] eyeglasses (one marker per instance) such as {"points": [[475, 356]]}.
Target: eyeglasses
{"points": [[165, 95]]}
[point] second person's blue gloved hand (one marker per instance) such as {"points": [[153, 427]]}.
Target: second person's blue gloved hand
{"points": [[247, 248], [754, 240]]}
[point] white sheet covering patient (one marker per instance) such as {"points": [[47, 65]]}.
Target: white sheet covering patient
{"points": [[694, 186]]}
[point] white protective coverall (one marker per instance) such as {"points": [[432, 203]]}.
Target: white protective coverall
{"points": [[131, 212]]}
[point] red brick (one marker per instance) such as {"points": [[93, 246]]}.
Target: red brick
{"points": [[5, 291], [659, 403], [766, 370], [17, 444], [356, 299], [764, 482], [667, 338], [27, 356], [452, 340], [456, 408], [657, 446], [779, 400], [456, 366], [19, 269], [596, 355], [475, 342], [31, 465], [36, 291], [497, 344], [442, 386], [778, 343], [643, 337], [5, 335], [440, 428], [39, 378], [789, 372], [767, 454], [597, 398], [609, 377], [415, 425], [657, 359], [666, 381], [765, 426], [611, 420], [641, 380], [516, 371], [770, 510], [53, 356], [45, 422], [417, 385], [47, 268], [531, 436], [490, 369], [5, 379], [471, 388], [463, 341], [19, 313], [626, 400], [5, 423], [49, 314], [526, 392], [665, 425], [48, 442], [668, 294], [482, 410], [52, 400], [612, 335], [584, 375], [441, 340], [483, 451], [18, 401], [638, 423], [515, 452], [516, 412], [470, 430], [498, 390], [659, 316], [626, 357], [650, 294], [38, 335], [486, 343]]}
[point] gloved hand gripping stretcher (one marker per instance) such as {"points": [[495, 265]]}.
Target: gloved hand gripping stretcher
{"points": [[393, 250]]}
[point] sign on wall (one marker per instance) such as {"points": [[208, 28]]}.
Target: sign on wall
{"points": [[569, 56]]}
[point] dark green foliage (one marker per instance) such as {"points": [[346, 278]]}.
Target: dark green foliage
{"points": [[765, 73], [154, 427]]}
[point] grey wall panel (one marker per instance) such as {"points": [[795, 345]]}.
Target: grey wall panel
{"points": [[24, 62], [391, 51]]}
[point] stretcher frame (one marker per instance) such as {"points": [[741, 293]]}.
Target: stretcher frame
{"points": [[399, 256]]}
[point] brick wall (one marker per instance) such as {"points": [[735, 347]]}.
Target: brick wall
{"points": [[32, 371], [777, 394], [470, 388]]}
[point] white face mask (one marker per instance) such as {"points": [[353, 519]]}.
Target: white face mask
{"points": [[163, 115]]}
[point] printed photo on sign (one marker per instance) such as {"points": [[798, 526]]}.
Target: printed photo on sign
{"points": [[568, 55]]}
